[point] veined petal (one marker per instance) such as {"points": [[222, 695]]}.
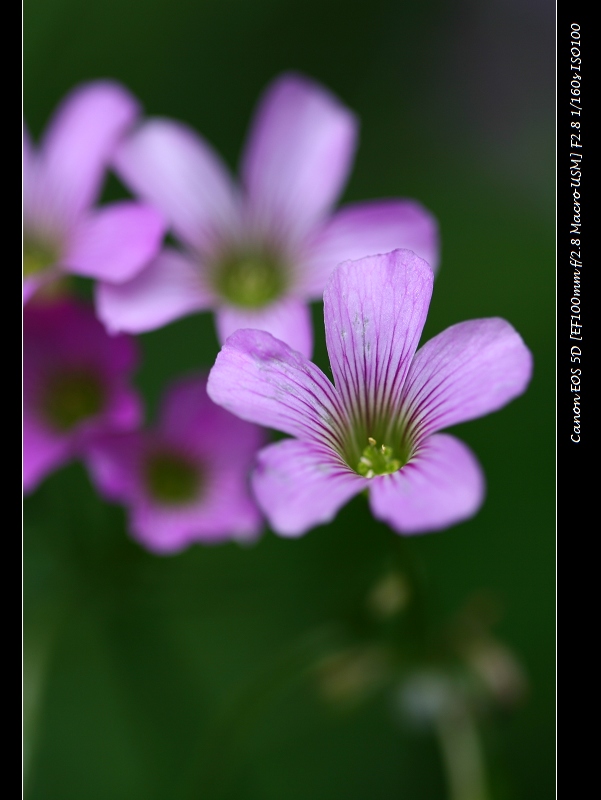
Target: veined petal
{"points": [[263, 380], [114, 243], [169, 288], [288, 320], [374, 311], [298, 154], [171, 166], [302, 484], [366, 229], [79, 142], [442, 485], [468, 370]]}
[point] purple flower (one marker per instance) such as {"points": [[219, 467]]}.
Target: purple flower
{"points": [[75, 385], [188, 479], [256, 254], [61, 182], [377, 427]]}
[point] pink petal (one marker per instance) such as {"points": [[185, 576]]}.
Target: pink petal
{"points": [[113, 464], [374, 311], [442, 485], [190, 418], [29, 169], [34, 282], [366, 229], [288, 320], [468, 370], [263, 380], [298, 154], [169, 165], [114, 243], [169, 288], [302, 484], [43, 451], [226, 511], [79, 142]]}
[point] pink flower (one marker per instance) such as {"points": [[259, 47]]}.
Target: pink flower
{"points": [[377, 428], [256, 253], [186, 480], [75, 385], [62, 232]]}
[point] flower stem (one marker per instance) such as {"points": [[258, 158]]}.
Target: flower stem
{"points": [[462, 755]]}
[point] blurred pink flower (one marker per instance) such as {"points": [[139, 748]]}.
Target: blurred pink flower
{"points": [[256, 253], [186, 480], [62, 232], [75, 385]]}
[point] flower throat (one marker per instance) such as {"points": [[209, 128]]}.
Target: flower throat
{"points": [[251, 280]]}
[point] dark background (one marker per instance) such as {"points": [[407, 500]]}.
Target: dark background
{"points": [[134, 658]]}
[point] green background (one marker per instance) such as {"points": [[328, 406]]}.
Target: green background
{"points": [[170, 677]]}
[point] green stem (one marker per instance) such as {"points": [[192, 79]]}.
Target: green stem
{"points": [[462, 755]]}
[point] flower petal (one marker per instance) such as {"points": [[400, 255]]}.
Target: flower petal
{"points": [[79, 142], [288, 320], [113, 462], [191, 419], [43, 451], [263, 380], [442, 485], [169, 288], [366, 229], [34, 282], [468, 370], [374, 311], [113, 244], [225, 512], [169, 165], [298, 154], [302, 484]]}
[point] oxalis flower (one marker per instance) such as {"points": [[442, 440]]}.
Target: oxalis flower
{"points": [[377, 427], [75, 385], [187, 479], [62, 232], [256, 254]]}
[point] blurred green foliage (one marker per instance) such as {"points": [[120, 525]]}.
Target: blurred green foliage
{"points": [[134, 660]]}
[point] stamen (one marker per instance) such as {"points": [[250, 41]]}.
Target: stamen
{"points": [[376, 460]]}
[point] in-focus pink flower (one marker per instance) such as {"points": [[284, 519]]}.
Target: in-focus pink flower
{"points": [[377, 427], [186, 480], [256, 253], [62, 232], [75, 385]]}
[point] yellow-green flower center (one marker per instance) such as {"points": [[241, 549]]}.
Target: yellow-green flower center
{"points": [[378, 460], [250, 280], [172, 478], [72, 397], [37, 256]]}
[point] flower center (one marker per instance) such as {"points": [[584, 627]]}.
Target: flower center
{"points": [[72, 397], [378, 460], [172, 478], [37, 256], [250, 280]]}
